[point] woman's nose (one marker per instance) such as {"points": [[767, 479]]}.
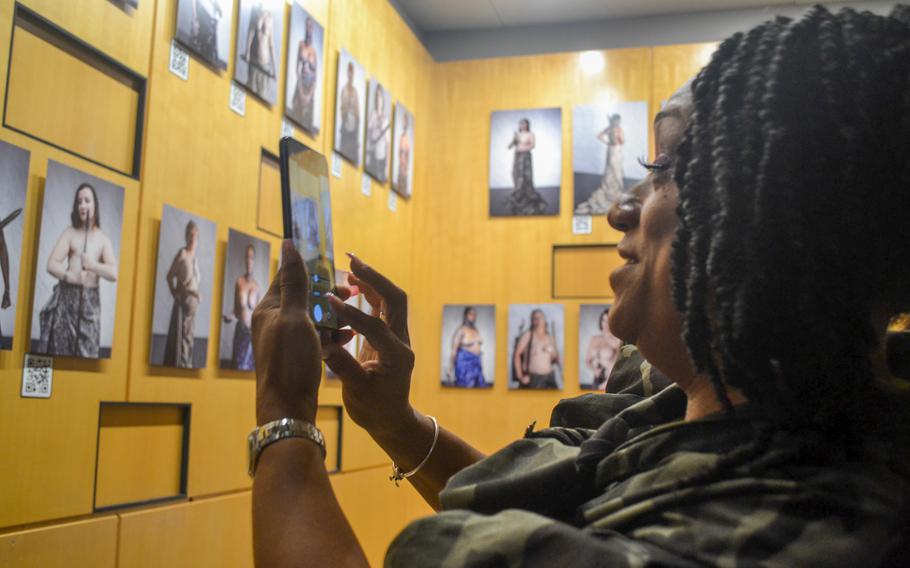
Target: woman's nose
{"points": [[623, 215]]}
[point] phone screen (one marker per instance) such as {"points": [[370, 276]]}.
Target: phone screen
{"points": [[308, 222]]}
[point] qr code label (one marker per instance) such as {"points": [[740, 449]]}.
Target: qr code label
{"points": [[336, 165], [37, 376], [581, 225], [238, 99], [393, 201], [180, 61], [366, 186]]}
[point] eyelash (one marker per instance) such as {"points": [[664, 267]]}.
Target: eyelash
{"points": [[653, 166]]}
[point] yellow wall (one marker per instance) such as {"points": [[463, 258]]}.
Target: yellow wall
{"points": [[198, 155]]}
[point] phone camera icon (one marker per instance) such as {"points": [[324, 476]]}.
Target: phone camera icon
{"points": [[317, 313]]}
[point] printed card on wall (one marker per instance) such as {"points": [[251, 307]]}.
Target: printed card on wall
{"points": [[525, 162], [305, 70], [204, 28], [183, 290], [349, 107], [598, 348], [379, 131], [246, 278], [607, 143], [468, 357], [536, 334], [342, 278], [402, 151], [260, 25], [14, 180], [78, 257]]}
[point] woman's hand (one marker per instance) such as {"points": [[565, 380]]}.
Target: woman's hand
{"points": [[376, 388], [286, 346]]}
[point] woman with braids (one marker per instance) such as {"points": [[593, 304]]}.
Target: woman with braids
{"points": [[765, 252]]}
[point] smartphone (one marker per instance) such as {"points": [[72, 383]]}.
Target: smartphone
{"points": [[308, 222]]}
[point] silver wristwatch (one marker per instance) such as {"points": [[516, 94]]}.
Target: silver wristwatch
{"points": [[280, 429]]}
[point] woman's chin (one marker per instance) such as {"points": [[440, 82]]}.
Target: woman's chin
{"points": [[621, 326]]}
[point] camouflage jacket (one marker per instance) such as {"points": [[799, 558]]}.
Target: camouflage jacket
{"points": [[647, 489]]}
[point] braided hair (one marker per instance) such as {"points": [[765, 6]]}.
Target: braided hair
{"points": [[794, 183]]}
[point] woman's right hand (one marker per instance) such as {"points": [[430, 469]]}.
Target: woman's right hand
{"points": [[376, 388]]}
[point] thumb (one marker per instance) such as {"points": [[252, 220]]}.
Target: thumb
{"points": [[342, 363]]}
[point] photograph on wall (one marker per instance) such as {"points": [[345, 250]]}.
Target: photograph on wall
{"points": [[78, 256], [246, 279], [204, 28], [305, 69], [536, 346], [468, 345], [598, 349], [260, 25], [525, 162], [607, 144], [14, 180], [184, 278], [349, 107], [379, 131], [342, 278], [402, 151]]}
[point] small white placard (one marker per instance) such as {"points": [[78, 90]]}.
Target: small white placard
{"points": [[287, 129], [179, 63], [393, 201], [366, 187], [581, 225], [336, 165], [37, 376], [238, 99]]}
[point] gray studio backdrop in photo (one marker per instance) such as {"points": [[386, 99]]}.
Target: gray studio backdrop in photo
{"points": [[59, 193], [486, 326], [234, 268], [14, 184], [171, 238]]}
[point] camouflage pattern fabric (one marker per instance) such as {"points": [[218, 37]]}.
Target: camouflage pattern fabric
{"points": [[648, 489]]}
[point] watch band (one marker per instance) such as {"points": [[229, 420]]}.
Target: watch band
{"points": [[280, 429]]}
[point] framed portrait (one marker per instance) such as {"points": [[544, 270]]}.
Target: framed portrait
{"points": [[260, 25], [468, 357], [75, 295], [305, 70], [246, 279], [403, 151], [607, 144], [598, 348], [525, 162], [350, 98], [14, 180], [536, 344], [379, 131], [204, 29], [184, 280]]}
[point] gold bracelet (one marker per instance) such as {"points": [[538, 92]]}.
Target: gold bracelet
{"points": [[398, 475]]}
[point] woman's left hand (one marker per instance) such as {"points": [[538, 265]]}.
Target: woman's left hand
{"points": [[286, 346]]}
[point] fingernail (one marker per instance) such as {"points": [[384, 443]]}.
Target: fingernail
{"points": [[351, 255]]}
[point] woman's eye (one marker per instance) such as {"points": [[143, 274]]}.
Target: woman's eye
{"points": [[661, 163]]}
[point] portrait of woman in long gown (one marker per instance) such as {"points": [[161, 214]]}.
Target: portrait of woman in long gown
{"points": [[612, 184], [524, 199], [82, 256], [183, 281]]}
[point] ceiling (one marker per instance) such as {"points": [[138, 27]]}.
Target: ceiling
{"points": [[458, 15]]}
